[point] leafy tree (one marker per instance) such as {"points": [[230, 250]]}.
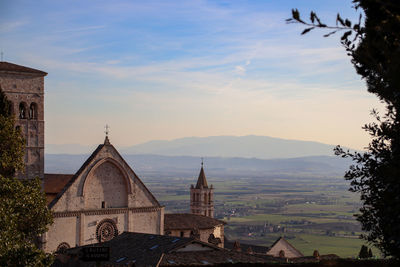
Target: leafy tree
{"points": [[363, 254], [370, 255], [24, 215], [12, 143], [373, 43]]}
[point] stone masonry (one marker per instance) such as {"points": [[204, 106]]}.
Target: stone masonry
{"points": [[24, 87]]}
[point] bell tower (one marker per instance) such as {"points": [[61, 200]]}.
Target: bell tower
{"points": [[202, 196], [24, 87]]}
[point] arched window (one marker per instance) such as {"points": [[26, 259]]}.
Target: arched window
{"points": [[22, 110], [33, 111]]}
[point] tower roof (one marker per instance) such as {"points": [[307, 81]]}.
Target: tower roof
{"points": [[10, 67], [202, 181]]}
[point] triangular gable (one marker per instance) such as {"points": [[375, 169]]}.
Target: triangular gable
{"points": [[91, 162], [282, 244]]}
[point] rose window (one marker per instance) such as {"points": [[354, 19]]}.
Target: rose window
{"points": [[62, 247], [106, 230]]}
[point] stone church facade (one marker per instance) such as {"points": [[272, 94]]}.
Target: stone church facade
{"points": [[103, 199]]}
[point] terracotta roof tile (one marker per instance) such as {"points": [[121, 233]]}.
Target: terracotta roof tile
{"points": [[177, 221], [54, 183], [10, 67]]}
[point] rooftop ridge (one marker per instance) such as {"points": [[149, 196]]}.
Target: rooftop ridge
{"points": [[11, 67]]}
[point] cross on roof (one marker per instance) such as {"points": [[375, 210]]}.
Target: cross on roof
{"points": [[107, 131]]}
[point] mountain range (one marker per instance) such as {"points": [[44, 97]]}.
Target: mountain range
{"points": [[225, 156], [250, 146], [188, 166]]}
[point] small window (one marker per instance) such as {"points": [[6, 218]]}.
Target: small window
{"points": [[103, 204], [33, 111], [22, 110], [182, 234]]}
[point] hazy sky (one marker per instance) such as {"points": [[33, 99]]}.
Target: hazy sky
{"points": [[170, 69]]}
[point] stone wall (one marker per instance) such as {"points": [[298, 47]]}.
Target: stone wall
{"points": [[106, 187]]}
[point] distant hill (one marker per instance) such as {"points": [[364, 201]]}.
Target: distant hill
{"points": [[250, 146], [188, 166]]}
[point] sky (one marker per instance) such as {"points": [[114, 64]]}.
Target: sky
{"points": [[160, 70]]}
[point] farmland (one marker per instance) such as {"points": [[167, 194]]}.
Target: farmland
{"points": [[310, 213]]}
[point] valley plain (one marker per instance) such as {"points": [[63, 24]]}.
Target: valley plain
{"points": [[312, 214]]}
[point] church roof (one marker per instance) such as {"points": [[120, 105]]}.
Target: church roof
{"points": [[10, 67], [140, 248], [285, 243], [228, 244], [202, 181], [221, 257], [181, 221], [54, 184], [159, 250]]}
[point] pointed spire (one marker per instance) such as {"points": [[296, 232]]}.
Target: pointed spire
{"points": [[202, 181]]}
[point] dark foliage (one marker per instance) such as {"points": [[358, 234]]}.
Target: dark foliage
{"points": [[12, 144], [24, 215], [374, 47], [363, 254]]}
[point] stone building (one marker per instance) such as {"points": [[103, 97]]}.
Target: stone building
{"points": [[104, 198], [24, 87], [200, 227], [283, 249], [202, 196]]}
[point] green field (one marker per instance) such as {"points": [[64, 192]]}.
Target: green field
{"points": [[311, 213]]}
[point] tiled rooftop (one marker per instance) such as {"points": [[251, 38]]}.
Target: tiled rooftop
{"points": [[10, 67], [177, 221]]}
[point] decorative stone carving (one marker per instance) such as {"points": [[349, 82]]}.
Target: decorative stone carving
{"points": [[106, 230]]}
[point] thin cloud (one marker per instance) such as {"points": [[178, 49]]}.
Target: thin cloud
{"points": [[12, 26], [82, 29]]}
